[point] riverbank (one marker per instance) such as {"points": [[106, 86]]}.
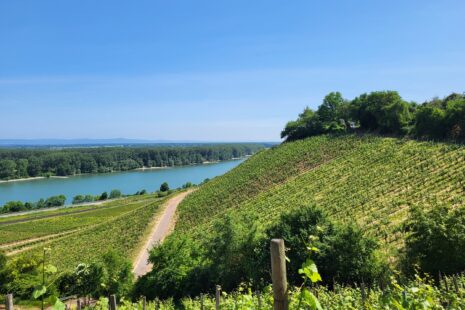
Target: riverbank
{"points": [[135, 169], [34, 178], [128, 182]]}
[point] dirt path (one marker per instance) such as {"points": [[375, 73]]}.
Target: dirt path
{"points": [[159, 231]]}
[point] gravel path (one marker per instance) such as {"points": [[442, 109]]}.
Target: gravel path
{"points": [[159, 231]]}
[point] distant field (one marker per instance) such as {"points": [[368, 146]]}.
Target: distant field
{"points": [[80, 234]]}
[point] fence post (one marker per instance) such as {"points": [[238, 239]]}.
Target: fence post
{"points": [[144, 302], [259, 297], [217, 297], [9, 302], [78, 304], [278, 274], [201, 301], [113, 302]]}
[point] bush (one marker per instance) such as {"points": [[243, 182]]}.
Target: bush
{"points": [[164, 187], [13, 206], [55, 201], [346, 255], [436, 240], [78, 199], [104, 196], [115, 194]]}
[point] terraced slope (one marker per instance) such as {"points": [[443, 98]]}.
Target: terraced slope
{"points": [[82, 234], [370, 180]]}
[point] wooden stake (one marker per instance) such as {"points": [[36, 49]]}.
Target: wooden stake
{"points": [[9, 302], [217, 297], [78, 304], [278, 274], [144, 302], [113, 302]]}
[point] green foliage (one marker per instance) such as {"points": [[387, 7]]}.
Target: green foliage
{"points": [[103, 196], [115, 193], [55, 201], [18, 163], [111, 275], [384, 112], [368, 181], [436, 240], [164, 187]]}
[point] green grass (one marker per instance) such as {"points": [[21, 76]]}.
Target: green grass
{"points": [[370, 180]]}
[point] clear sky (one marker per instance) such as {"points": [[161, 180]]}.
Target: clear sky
{"points": [[213, 70]]}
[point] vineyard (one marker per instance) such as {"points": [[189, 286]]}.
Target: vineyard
{"points": [[370, 180], [80, 234]]}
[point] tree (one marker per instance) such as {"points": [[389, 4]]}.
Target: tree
{"points": [[164, 187], [34, 167], [21, 168], [7, 169], [115, 193], [104, 196]]}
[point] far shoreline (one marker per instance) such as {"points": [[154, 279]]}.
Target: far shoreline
{"points": [[135, 169]]}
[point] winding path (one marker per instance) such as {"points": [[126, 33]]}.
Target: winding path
{"points": [[159, 231]]}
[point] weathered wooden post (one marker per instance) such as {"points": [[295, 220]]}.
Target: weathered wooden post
{"points": [[144, 302], [259, 297], [278, 274], [78, 304], [113, 302], [201, 301], [217, 297], [9, 302]]}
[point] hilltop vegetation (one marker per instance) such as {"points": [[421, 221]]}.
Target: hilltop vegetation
{"points": [[23, 163], [368, 183], [382, 112]]}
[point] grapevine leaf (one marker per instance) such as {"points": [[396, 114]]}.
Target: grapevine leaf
{"points": [[39, 291]]}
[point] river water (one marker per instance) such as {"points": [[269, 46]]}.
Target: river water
{"points": [[127, 182]]}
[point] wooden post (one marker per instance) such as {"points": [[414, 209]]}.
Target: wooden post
{"points": [[144, 302], [78, 304], [9, 302], [278, 274], [217, 297], [201, 301], [454, 279], [113, 302], [259, 297]]}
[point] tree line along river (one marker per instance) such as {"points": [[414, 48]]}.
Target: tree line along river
{"points": [[128, 182]]}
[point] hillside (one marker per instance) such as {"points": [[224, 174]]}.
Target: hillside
{"points": [[370, 180]]}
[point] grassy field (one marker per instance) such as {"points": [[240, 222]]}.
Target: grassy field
{"points": [[81, 234], [370, 180]]}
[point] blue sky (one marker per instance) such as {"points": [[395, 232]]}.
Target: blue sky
{"points": [[213, 70]]}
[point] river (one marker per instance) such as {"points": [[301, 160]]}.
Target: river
{"points": [[127, 182]]}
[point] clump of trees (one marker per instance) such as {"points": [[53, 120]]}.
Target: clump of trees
{"points": [[17, 206], [23, 163], [384, 112]]}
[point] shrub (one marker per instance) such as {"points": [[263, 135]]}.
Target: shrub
{"points": [[164, 187], [115, 194], [104, 196], [436, 240]]}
